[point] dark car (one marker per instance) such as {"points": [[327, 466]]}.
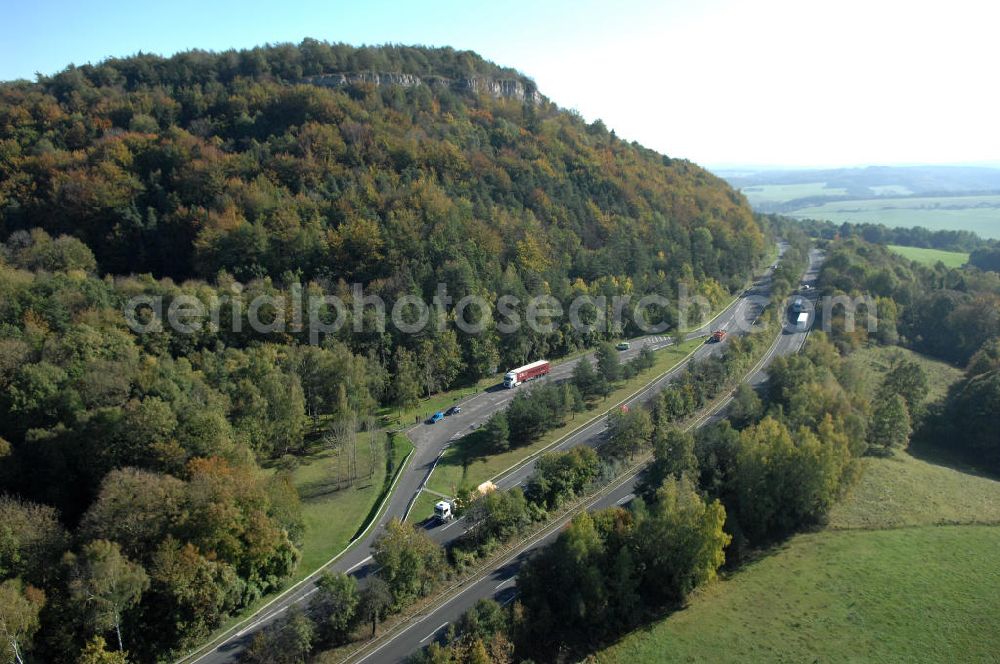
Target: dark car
{"points": [[454, 410]]}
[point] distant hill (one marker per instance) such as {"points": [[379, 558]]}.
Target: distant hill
{"points": [[877, 180]]}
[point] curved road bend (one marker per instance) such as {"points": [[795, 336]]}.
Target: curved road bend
{"points": [[430, 440], [499, 583]]}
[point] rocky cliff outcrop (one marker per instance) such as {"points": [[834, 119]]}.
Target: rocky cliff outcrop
{"points": [[505, 88]]}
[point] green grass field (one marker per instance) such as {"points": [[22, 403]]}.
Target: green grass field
{"points": [[902, 491], [876, 360], [931, 256], [980, 214], [465, 464], [906, 595], [906, 571]]}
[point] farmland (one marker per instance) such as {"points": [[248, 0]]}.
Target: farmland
{"points": [[980, 213], [780, 193]]}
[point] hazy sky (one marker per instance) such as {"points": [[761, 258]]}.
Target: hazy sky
{"points": [[791, 82]]}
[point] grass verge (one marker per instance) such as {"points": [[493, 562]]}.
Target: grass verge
{"points": [[334, 515]]}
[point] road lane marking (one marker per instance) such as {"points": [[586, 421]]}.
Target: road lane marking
{"points": [[359, 564], [434, 632]]}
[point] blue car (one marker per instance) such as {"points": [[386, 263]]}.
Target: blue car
{"points": [[435, 417]]}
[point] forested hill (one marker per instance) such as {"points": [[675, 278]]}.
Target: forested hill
{"points": [[202, 162], [136, 455]]}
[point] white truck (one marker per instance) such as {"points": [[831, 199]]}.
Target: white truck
{"points": [[802, 322], [442, 510]]}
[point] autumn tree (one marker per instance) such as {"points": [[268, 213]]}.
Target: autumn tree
{"points": [[288, 641], [19, 609], [96, 652], [907, 379], [628, 432], [375, 601], [335, 607], [105, 584], [608, 364], [409, 561]]}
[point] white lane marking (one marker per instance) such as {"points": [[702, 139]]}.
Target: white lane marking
{"points": [[434, 632], [454, 521], [359, 564], [265, 620], [504, 583], [624, 500]]}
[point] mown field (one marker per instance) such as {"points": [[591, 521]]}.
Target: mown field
{"points": [[980, 214], [931, 256], [887, 581]]}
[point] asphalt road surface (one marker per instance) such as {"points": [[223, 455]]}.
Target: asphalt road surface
{"points": [[431, 439], [500, 582]]}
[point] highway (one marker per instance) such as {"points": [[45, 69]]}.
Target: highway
{"points": [[431, 439], [500, 581]]}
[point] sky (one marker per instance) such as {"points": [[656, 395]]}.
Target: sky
{"points": [[794, 83]]}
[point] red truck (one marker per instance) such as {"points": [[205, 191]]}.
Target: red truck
{"points": [[717, 336], [515, 377]]}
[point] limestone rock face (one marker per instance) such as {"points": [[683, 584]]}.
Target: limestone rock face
{"points": [[499, 88]]}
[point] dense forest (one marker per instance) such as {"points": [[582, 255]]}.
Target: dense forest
{"points": [[134, 513]]}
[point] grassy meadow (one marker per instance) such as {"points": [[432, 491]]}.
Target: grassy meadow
{"points": [[931, 256], [876, 361], [905, 572]]}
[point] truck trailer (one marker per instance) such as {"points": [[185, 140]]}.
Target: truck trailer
{"points": [[802, 322], [515, 377]]}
